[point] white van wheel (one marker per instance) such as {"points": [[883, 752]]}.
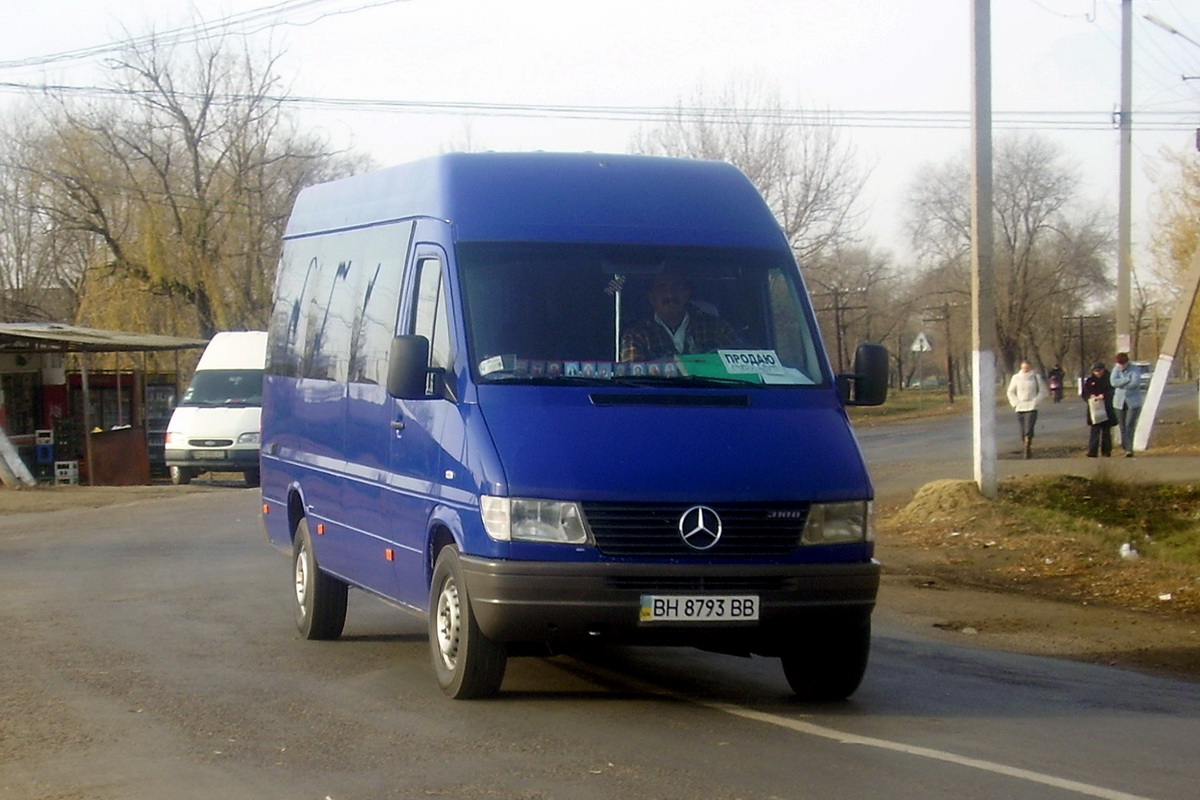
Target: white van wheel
{"points": [[467, 663], [320, 598], [181, 476], [830, 665]]}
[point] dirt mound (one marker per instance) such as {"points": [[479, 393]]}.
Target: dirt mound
{"points": [[942, 501]]}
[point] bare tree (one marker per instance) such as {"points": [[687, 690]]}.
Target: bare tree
{"points": [[185, 180], [1051, 255], [859, 296], [799, 163], [40, 278]]}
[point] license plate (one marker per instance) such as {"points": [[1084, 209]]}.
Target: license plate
{"points": [[208, 455], [699, 608]]}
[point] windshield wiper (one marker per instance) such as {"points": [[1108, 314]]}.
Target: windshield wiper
{"points": [[691, 381], [676, 380], [545, 380]]}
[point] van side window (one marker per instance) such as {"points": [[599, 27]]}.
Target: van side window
{"points": [[376, 296], [337, 304], [430, 318]]}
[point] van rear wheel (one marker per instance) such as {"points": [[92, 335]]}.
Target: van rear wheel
{"points": [[830, 665], [320, 598], [467, 663]]}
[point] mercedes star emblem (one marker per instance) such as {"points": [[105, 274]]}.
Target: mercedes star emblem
{"points": [[700, 527]]}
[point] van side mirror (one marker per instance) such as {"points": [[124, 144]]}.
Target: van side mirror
{"points": [[408, 366], [868, 384]]}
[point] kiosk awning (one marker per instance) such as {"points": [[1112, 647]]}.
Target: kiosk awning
{"points": [[51, 337]]}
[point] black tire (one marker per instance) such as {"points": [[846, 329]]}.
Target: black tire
{"points": [[252, 477], [467, 663], [830, 664], [320, 598], [181, 476]]}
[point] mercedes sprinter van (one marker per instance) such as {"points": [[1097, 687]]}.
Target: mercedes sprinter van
{"points": [[551, 400]]}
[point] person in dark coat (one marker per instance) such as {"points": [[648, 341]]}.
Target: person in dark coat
{"points": [[1099, 386]]}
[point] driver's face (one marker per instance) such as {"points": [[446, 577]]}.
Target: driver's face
{"points": [[670, 294]]}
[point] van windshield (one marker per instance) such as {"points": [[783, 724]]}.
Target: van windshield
{"points": [[573, 313], [225, 387]]}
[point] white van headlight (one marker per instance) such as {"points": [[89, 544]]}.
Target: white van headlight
{"points": [[839, 523], [515, 519], [248, 438]]}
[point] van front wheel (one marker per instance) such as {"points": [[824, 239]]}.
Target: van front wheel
{"points": [[181, 476], [830, 664], [320, 598], [467, 663]]}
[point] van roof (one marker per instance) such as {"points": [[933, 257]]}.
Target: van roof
{"points": [[235, 350], [561, 197]]}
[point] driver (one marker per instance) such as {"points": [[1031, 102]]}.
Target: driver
{"points": [[677, 326]]}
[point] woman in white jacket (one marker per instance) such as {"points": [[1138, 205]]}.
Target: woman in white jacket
{"points": [[1026, 391]]}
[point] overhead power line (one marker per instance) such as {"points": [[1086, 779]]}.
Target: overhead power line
{"points": [[245, 23], [1062, 120]]}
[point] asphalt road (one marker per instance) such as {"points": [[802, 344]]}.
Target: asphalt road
{"points": [[149, 652]]}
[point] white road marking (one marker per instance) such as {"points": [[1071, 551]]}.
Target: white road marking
{"points": [[799, 726], [923, 752]]}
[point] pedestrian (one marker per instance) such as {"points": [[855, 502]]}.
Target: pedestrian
{"points": [[1127, 399], [1097, 393], [1056, 376], [1026, 391]]}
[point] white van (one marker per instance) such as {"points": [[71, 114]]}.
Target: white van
{"points": [[215, 427]]}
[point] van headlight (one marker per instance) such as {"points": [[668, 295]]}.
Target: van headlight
{"points": [[839, 523], [515, 519], [248, 438]]}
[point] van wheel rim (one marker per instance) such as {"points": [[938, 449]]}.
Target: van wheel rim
{"points": [[449, 625], [301, 579]]}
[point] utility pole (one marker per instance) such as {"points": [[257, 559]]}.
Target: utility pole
{"points": [[1124, 211], [839, 307], [1187, 298], [983, 274], [944, 317], [1080, 318]]}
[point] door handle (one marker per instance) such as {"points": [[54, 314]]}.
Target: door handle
{"points": [[397, 425]]}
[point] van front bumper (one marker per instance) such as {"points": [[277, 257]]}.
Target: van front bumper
{"points": [[225, 459], [517, 601]]}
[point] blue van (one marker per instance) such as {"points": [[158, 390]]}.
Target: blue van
{"points": [[552, 400]]}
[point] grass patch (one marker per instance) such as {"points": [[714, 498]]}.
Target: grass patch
{"points": [[912, 404], [1161, 521], [1058, 536]]}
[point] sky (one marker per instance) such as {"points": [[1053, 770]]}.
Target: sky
{"points": [[581, 75]]}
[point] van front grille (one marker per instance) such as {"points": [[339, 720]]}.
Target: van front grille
{"points": [[700, 585], [210, 442], [652, 530]]}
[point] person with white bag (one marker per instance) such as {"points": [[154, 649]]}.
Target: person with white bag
{"points": [[1097, 393]]}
